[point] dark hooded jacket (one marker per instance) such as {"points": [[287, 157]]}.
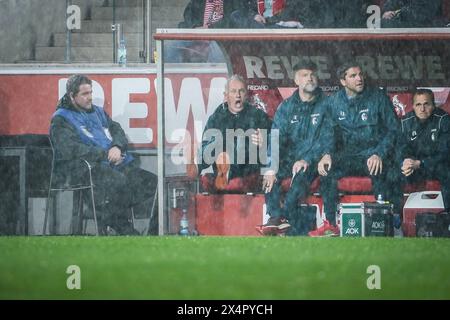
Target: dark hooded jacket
{"points": [[364, 125], [427, 141], [69, 144], [304, 130]]}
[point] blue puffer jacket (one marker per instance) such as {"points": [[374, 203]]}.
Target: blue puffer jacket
{"points": [[304, 130], [364, 125], [86, 135]]}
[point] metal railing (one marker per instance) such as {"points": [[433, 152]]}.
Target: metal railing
{"points": [[117, 32]]}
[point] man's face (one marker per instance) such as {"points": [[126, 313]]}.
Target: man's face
{"points": [[423, 106], [306, 80], [353, 81], [236, 96], [83, 99]]}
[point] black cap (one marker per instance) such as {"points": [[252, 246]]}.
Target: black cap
{"points": [[305, 64]]}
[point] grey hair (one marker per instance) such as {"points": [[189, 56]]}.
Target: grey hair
{"points": [[232, 78]]}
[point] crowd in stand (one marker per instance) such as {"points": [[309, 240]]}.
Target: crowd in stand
{"points": [[353, 132], [296, 14], [311, 13], [359, 136]]}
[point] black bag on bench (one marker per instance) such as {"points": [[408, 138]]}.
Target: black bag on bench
{"points": [[430, 224]]}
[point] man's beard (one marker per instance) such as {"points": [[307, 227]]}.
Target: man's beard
{"points": [[310, 88], [86, 108]]}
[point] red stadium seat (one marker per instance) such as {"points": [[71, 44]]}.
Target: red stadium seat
{"points": [[251, 183], [363, 185], [286, 184], [427, 185], [355, 184], [346, 185]]}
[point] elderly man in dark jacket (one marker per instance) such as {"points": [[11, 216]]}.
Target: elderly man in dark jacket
{"points": [[233, 135], [425, 143], [364, 129], [81, 130]]}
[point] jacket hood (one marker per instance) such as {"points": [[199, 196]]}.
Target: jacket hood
{"points": [[65, 103]]}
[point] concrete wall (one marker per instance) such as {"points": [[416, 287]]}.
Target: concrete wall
{"points": [[23, 23]]}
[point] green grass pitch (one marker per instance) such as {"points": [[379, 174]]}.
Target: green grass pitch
{"points": [[173, 267]]}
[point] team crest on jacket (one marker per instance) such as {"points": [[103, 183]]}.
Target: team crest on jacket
{"points": [[364, 116], [413, 135], [341, 115], [315, 119], [86, 132], [433, 135], [294, 119]]}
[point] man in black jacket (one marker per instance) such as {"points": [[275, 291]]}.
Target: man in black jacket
{"points": [[303, 139], [81, 130], [364, 130], [233, 135], [425, 143]]}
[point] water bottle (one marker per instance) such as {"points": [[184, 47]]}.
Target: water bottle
{"points": [[184, 224], [380, 199], [122, 54]]}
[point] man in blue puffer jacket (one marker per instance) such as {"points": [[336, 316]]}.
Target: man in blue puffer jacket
{"points": [[81, 130], [364, 129]]}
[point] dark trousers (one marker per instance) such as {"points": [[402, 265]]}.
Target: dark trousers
{"points": [[117, 190], [440, 173], [299, 190], [356, 166]]}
